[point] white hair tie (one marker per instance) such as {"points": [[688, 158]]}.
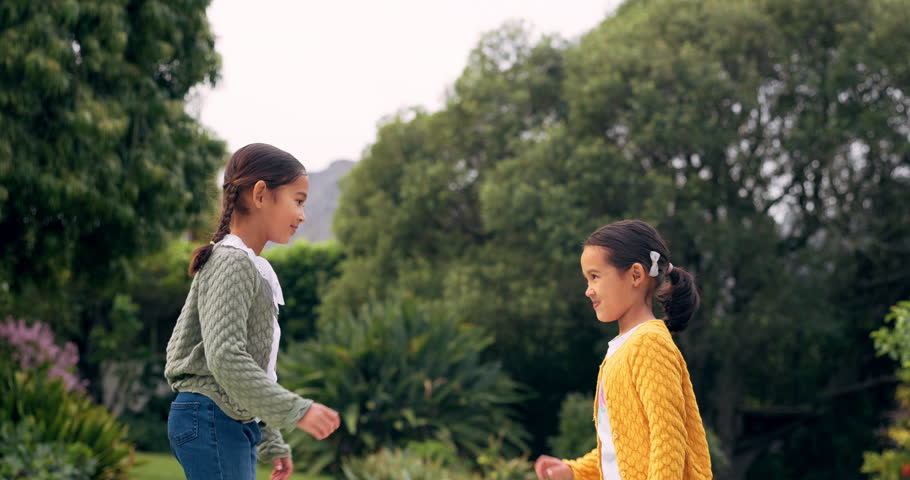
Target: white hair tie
{"points": [[654, 258]]}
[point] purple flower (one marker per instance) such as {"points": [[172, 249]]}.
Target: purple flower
{"points": [[34, 347]]}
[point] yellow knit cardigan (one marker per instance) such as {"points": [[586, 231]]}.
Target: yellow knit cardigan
{"points": [[657, 430]]}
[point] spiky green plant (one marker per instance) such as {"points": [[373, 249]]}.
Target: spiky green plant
{"points": [[398, 372], [56, 416]]}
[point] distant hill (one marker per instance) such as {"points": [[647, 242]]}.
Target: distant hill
{"points": [[322, 202]]}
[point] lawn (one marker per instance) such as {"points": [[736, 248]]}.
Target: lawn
{"points": [[163, 466]]}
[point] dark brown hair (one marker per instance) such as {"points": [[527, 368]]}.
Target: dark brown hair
{"points": [[631, 241], [250, 164]]}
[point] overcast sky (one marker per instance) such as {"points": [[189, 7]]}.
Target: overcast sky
{"points": [[314, 78]]}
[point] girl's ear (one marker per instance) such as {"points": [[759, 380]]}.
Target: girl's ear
{"points": [[259, 193], [637, 273]]}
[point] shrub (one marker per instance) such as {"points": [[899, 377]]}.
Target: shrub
{"points": [[24, 456], [34, 347], [64, 426], [434, 460], [397, 464], [508, 469], [305, 271], [398, 373], [894, 461], [576, 435]]}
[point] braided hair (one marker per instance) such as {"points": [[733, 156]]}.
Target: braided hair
{"points": [[249, 165]]}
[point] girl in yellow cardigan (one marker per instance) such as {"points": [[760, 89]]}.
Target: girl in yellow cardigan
{"points": [[647, 421]]}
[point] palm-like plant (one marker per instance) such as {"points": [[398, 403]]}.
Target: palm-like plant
{"points": [[398, 372], [55, 415]]}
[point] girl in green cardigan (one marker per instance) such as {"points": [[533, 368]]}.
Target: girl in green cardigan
{"points": [[221, 356]]}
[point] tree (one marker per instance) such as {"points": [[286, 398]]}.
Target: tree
{"points": [[411, 219], [765, 139], [99, 161], [894, 462]]}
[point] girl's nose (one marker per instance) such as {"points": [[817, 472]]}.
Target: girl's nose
{"points": [[589, 292]]}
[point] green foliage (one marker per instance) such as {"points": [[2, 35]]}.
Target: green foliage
{"points": [[576, 428], [305, 271], [719, 459], [412, 217], [37, 409], [765, 139], [433, 460], [99, 161], [24, 456], [142, 314], [394, 464], [164, 466], [146, 308], [894, 462], [508, 469], [895, 341], [398, 372]]}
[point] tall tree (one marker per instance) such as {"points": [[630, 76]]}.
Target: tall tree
{"points": [[786, 142], [99, 160], [766, 139]]}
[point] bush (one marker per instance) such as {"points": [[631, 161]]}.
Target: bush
{"points": [[509, 469], [24, 456], [305, 271], [719, 459], [148, 430], [397, 464], [33, 347], [434, 460], [894, 462], [63, 425], [576, 435], [399, 373]]}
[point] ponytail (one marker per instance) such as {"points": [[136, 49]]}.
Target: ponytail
{"points": [[202, 254], [634, 241], [679, 298]]}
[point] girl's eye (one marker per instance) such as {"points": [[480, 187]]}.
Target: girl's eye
{"points": [[299, 203]]}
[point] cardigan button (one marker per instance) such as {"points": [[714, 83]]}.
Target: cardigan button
{"points": [[615, 435], [622, 474]]}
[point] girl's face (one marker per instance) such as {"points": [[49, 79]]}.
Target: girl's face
{"points": [[283, 209], [612, 292]]}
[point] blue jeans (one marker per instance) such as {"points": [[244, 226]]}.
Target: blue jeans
{"points": [[209, 444]]}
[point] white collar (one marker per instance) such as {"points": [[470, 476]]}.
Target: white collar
{"points": [[620, 339], [262, 266]]}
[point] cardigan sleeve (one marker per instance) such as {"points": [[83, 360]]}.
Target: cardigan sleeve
{"points": [[657, 376], [586, 467], [272, 445], [223, 311]]}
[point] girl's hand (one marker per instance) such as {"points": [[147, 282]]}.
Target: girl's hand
{"points": [[551, 468], [282, 469], [319, 421]]}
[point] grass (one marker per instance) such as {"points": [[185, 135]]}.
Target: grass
{"points": [[163, 466]]}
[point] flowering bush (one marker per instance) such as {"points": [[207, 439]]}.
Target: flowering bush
{"points": [[34, 348], [49, 427]]}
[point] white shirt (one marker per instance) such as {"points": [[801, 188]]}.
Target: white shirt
{"points": [[608, 464], [268, 274]]}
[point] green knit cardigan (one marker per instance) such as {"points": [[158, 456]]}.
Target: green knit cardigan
{"points": [[221, 344]]}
